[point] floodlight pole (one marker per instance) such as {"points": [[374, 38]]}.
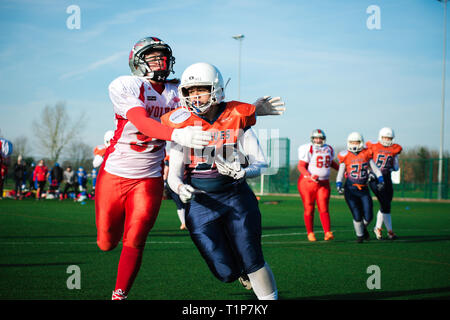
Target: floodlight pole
{"points": [[239, 37], [441, 147]]}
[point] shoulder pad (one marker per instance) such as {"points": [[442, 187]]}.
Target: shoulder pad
{"points": [[242, 108], [176, 117], [343, 154], [398, 148]]}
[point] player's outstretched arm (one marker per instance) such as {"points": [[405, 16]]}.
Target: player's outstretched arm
{"points": [[254, 154], [175, 177], [268, 106], [377, 171], [191, 137], [340, 178]]}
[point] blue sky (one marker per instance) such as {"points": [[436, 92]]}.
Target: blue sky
{"points": [[319, 56]]}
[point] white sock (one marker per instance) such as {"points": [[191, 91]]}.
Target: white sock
{"points": [[387, 221], [359, 228], [263, 283], [272, 296], [180, 213], [379, 223]]}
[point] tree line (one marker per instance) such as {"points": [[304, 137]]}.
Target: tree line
{"points": [[56, 140]]}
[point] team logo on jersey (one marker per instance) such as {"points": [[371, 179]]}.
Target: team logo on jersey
{"points": [[151, 98], [179, 116]]}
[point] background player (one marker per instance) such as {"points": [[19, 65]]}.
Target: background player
{"points": [[223, 218], [82, 184], [315, 163], [385, 155], [356, 162]]}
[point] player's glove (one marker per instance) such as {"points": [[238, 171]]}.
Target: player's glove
{"points": [[372, 177], [186, 192], [380, 184], [340, 188], [227, 168], [192, 137], [315, 178], [267, 106]]}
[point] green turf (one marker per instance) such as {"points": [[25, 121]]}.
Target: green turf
{"points": [[40, 239]]}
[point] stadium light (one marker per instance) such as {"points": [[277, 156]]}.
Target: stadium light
{"points": [[441, 147], [239, 37]]}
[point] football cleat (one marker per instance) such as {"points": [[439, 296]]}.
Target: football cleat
{"points": [[392, 235], [378, 233], [183, 227], [312, 237], [366, 235], [360, 239], [328, 236], [245, 281], [118, 295]]}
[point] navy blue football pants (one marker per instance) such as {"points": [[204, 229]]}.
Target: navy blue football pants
{"points": [[226, 229], [359, 202], [384, 196]]}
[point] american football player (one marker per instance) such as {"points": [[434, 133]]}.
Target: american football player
{"points": [[315, 163], [222, 213], [82, 184], [385, 155], [356, 163]]}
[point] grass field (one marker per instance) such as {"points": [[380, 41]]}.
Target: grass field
{"points": [[40, 240]]}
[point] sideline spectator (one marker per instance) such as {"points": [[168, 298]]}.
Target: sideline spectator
{"points": [[19, 175], [40, 175], [56, 175], [69, 180]]}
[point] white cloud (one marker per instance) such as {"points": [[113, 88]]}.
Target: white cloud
{"points": [[95, 65]]}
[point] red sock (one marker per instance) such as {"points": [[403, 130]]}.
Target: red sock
{"points": [[129, 264], [309, 222], [325, 219]]}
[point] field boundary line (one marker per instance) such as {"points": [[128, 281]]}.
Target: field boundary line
{"points": [[373, 197]]}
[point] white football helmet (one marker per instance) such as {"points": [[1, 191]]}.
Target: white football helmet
{"points": [[318, 133], [201, 74], [386, 132], [355, 136], [107, 137]]}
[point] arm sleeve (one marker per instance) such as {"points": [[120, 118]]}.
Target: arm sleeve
{"points": [[334, 165], [176, 171], [374, 168], [396, 165], [127, 96], [340, 174], [148, 126], [254, 153], [303, 168]]}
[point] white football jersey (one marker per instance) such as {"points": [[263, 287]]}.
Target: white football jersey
{"points": [[319, 159], [132, 154]]}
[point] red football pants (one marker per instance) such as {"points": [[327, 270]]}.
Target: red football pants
{"points": [[312, 192], [127, 207]]}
